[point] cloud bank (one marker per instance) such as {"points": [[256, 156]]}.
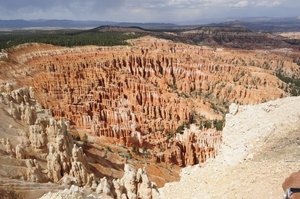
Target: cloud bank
{"points": [[146, 10]]}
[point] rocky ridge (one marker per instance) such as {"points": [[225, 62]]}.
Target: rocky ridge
{"points": [[229, 35]]}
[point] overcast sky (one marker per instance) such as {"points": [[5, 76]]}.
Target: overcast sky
{"points": [[146, 10]]}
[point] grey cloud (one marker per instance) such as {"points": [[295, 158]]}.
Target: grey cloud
{"points": [[17, 4], [64, 4], [144, 10], [239, 4]]}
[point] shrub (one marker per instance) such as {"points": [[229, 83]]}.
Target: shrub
{"points": [[135, 150], [218, 124], [145, 149], [85, 139], [108, 148], [76, 137], [170, 134], [207, 124]]}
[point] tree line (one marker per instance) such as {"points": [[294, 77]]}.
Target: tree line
{"points": [[293, 82], [64, 38]]}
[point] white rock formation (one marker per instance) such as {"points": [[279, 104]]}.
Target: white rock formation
{"points": [[47, 138], [247, 128], [233, 174], [133, 185], [20, 152], [74, 192]]}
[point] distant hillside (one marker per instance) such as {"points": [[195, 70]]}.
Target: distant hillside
{"points": [[264, 24], [120, 29], [232, 36], [214, 36], [291, 24], [20, 24], [147, 25]]}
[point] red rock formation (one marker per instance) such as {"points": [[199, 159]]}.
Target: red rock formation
{"points": [[136, 94], [194, 146]]}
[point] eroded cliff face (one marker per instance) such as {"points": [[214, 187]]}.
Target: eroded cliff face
{"points": [[46, 138], [139, 95]]}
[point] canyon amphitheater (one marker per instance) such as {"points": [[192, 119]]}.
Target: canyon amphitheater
{"points": [[146, 121]]}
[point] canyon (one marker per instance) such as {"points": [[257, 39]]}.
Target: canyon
{"points": [[87, 113]]}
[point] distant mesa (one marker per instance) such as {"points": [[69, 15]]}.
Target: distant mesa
{"points": [[21, 24]]}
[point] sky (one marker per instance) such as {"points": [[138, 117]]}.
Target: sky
{"points": [[146, 10]]}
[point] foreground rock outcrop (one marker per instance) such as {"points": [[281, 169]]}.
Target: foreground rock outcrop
{"points": [[260, 149], [247, 130], [134, 184]]}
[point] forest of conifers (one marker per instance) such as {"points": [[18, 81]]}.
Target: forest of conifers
{"points": [[63, 38]]}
